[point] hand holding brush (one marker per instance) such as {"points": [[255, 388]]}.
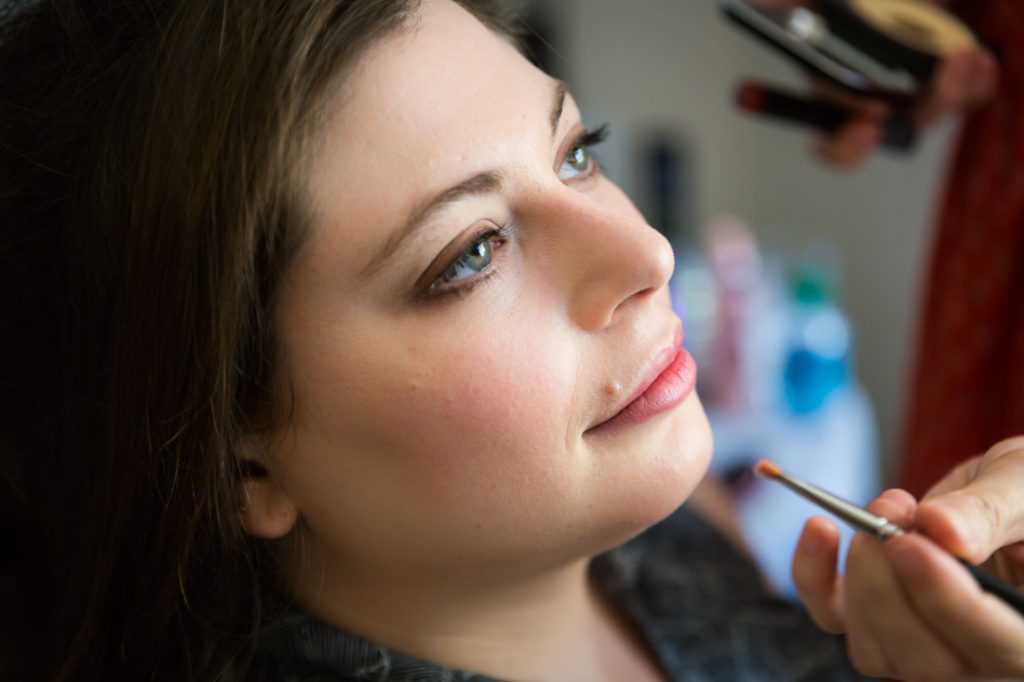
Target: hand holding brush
{"points": [[907, 605]]}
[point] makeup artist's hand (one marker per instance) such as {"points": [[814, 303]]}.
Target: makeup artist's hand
{"points": [[962, 82], [908, 608]]}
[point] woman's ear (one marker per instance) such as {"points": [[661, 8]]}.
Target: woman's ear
{"points": [[267, 511]]}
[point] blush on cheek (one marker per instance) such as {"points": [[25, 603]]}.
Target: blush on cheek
{"points": [[491, 394], [480, 410]]}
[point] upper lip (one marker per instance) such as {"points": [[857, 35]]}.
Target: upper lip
{"points": [[658, 361]]}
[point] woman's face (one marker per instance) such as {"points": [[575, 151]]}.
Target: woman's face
{"points": [[474, 298]]}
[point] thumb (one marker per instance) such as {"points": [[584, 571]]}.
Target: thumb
{"points": [[986, 513]]}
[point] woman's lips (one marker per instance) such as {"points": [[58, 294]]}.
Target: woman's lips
{"points": [[671, 386]]}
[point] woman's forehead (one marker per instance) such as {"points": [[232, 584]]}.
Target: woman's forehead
{"points": [[425, 109], [444, 79]]}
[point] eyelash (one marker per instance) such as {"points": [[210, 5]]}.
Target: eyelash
{"points": [[499, 236]]}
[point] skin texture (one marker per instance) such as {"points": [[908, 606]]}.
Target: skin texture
{"points": [[436, 479]]}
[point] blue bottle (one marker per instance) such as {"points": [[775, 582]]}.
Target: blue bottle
{"points": [[818, 360]]}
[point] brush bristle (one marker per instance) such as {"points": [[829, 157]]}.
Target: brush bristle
{"points": [[767, 469]]}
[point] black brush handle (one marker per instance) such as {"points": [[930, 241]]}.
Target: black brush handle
{"points": [[990, 583]]}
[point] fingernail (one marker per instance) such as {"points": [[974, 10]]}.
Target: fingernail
{"points": [[907, 561]]}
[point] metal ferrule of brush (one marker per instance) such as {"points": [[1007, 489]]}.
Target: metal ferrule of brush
{"points": [[873, 524]]}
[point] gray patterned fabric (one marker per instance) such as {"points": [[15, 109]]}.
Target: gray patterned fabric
{"points": [[700, 604]]}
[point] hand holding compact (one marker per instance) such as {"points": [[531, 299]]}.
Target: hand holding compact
{"points": [[962, 82], [881, 68], [907, 606]]}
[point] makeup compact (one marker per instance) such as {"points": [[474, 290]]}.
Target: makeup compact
{"points": [[882, 49], [910, 35]]}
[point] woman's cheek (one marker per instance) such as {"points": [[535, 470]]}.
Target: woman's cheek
{"points": [[480, 397], [485, 411]]}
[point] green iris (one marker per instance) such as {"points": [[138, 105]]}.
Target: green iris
{"points": [[576, 163], [578, 158], [473, 260]]}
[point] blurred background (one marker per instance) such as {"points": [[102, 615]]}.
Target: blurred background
{"points": [[798, 283]]}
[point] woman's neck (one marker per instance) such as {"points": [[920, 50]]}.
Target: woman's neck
{"points": [[550, 625]]}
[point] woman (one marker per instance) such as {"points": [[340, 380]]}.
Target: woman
{"points": [[337, 358]]}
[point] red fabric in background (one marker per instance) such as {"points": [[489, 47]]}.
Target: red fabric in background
{"points": [[967, 386]]}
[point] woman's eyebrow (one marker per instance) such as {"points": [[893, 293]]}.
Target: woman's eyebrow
{"points": [[561, 91], [481, 183]]}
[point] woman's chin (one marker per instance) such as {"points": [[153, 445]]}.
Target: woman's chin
{"points": [[663, 471]]}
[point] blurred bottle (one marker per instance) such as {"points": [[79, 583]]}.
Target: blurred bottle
{"points": [[735, 264], [818, 359]]}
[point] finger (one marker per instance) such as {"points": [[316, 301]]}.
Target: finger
{"points": [[985, 514], [862, 644], [987, 633], [963, 80], [851, 144], [897, 505], [815, 577], [1004, 448], [886, 635], [988, 78]]}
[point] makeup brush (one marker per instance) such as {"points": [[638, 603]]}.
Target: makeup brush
{"points": [[879, 527]]}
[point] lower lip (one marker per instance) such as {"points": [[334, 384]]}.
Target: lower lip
{"points": [[671, 388]]}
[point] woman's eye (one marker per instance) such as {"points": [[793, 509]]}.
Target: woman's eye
{"points": [[472, 261], [580, 161], [577, 162]]}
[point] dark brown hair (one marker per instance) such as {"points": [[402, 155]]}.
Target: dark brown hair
{"points": [[150, 202]]}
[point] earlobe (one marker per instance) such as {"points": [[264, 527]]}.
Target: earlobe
{"points": [[267, 511]]}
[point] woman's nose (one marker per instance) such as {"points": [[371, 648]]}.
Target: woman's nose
{"points": [[612, 259]]}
